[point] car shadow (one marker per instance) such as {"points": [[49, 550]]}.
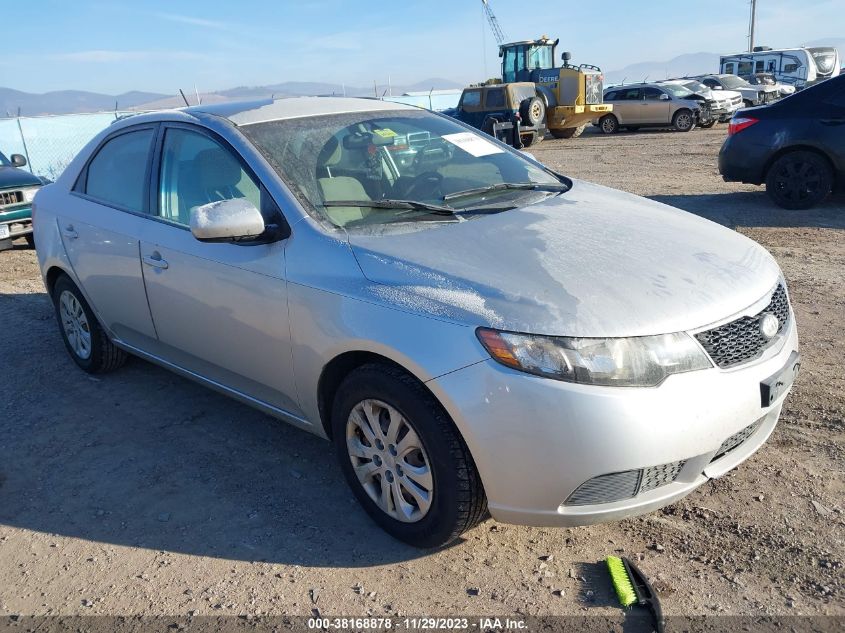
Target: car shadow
{"points": [[755, 209], [143, 458]]}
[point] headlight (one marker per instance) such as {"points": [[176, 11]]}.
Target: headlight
{"points": [[29, 194], [642, 361]]}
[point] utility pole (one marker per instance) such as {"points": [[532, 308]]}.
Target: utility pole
{"points": [[751, 26]]}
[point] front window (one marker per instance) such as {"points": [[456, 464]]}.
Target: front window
{"points": [[732, 82], [540, 57], [196, 170], [393, 163], [471, 99], [679, 92]]}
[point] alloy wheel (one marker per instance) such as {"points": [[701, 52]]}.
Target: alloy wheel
{"points": [[797, 180], [389, 460], [75, 324]]}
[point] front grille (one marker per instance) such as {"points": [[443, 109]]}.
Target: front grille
{"points": [[741, 340], [737, 439], [10, 197], [624, 485]]}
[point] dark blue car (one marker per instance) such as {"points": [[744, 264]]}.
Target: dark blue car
{"points": [[796, 146]]}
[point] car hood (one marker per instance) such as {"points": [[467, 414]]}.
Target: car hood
{"points": [[14, 177], [591, 262]]}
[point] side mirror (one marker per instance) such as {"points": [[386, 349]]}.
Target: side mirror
{"points": [[664, 97], [226, 221], [18, 160]]}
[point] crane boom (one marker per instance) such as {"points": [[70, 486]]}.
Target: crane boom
{"points": [[494, 23]]}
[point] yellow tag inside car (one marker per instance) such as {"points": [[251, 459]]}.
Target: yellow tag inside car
{"points": [[385, 133]]}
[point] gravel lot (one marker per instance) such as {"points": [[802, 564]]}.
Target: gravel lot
{"points": [[142, 493]]}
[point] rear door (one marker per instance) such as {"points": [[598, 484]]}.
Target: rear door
{"points": [[830, 129], [220, 309], [626, 106], [100, 228]]}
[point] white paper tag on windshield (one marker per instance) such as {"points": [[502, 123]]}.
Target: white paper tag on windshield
{"points": [[472, 144]]}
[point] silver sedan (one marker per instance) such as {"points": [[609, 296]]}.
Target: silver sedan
{"points": [[469, 328]]}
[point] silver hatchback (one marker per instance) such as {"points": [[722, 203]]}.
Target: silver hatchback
{"points": [[469, 328]]}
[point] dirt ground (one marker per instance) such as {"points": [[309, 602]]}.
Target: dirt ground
{"points": [[142, 493]]}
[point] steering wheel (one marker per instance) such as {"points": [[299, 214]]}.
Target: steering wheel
{"points": [[425, 185]]}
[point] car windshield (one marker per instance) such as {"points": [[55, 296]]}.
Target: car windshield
{"points": [[731, 81], [696, 86], [677, 91], [370, 168]]}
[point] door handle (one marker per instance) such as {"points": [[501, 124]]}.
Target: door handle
{"points": [[155, 261], [70, 233]]}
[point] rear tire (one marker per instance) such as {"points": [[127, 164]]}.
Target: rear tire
{"points": [[30, 239], [454, 501], [488, 125], [532, 111], [683, 121], [87, 343], [799, 180], [609, 124], [569, 132], [708, 125]]}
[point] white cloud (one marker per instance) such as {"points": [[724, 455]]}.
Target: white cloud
{"points": [[189, 19]]}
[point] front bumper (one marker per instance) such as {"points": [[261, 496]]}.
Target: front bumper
{"points": [[19, 221], [536, 440]]}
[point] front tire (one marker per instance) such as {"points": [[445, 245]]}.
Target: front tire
{"points": [[799, 180], [569, 132], [530, 139], [683, 121], [404, 459], [86, 342], [609, 124]]}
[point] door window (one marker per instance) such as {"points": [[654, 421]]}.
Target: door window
{"points": [[196, 170], [729, 68], [117, 175], [651, 94], [471, 99], [629, 94]]}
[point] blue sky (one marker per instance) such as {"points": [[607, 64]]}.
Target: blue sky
{"points": [[160, 46]]}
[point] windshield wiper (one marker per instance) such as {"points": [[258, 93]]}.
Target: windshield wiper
{"points": [[499, 186], [392, 204]]}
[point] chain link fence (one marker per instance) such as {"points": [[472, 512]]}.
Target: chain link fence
{"points": [[50, 143]]}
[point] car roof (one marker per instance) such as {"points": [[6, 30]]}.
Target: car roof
{"points": [[262, 110]]}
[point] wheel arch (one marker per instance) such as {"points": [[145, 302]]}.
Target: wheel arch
{"points": [[341, 366], [837, 180], [52, 275]]}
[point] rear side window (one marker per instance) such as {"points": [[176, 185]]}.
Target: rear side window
{"points": [[118, 173], [496, 98]]}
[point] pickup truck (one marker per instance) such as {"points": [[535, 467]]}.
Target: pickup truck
{"points": [[17, 189]]}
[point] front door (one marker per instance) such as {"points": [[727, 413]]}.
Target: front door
{"points": [[654, 109], [100, 227], [220, 309]]}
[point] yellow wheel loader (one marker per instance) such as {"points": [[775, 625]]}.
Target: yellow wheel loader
{"points": [[573, 95]]}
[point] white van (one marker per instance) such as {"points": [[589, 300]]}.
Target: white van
{"points": [[799, 67]]}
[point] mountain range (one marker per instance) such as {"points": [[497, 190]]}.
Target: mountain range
{"points": [[71, 101]]}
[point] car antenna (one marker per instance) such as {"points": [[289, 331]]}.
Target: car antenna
{"points": [[184, 98]]}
